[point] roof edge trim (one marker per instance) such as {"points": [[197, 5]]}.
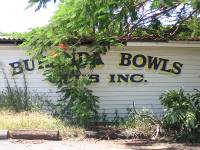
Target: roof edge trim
{"points": [[166, 44]]}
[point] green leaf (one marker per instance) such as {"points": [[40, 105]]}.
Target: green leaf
{"points": [[155, 4]]}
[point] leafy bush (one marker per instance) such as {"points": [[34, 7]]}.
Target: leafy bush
{"points": [[182, 116], [77, 103], [81, 109], [18, 98]]}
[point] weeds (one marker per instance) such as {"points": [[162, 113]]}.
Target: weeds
{"points": [[138, 125], [20, 98]]}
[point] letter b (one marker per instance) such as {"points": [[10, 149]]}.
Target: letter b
{"points": [[125, 59], [17, 67]]}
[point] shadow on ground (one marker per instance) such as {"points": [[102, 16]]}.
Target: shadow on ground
{"points": [[158, 145]]}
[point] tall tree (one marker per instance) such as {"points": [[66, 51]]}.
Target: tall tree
{"points": [[101, 23]]}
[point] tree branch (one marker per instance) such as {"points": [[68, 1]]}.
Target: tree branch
{"points": [[151, 17], [179, 23]]}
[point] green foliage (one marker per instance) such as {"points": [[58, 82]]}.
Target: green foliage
{"points": [[77, 104], [183, 114], [81, 109], [190, 29], [20, 99], [102, 21], [195, 4]]}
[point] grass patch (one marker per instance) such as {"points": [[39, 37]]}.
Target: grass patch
{"points": [[36, 120]]}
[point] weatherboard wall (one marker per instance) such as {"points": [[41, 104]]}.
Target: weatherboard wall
{"points": [[120, 95]]}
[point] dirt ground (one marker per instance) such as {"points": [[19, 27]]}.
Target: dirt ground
{"points": [[89, 144]]}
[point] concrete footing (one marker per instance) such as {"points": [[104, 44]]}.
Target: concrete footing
{"points": [[3, 134]]}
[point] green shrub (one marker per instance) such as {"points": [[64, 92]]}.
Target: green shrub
{"points": [[77, 104], [81, 109], [182, 116]]}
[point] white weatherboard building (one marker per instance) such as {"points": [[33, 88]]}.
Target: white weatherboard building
{"points": [[139, 72]]}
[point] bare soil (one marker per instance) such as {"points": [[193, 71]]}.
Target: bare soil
{"points": [[93, 144]]}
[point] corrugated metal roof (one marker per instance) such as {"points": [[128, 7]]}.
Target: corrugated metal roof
{"points": [[10, 40], [123, 39]]}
